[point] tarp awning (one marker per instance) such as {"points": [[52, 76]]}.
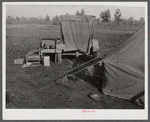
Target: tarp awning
{"points": [[77, 31]]}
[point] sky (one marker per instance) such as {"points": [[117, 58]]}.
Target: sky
{"points": [[52, 10]]}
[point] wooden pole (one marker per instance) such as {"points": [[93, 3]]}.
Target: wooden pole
{"points": [[59, 58], [56, 57]]}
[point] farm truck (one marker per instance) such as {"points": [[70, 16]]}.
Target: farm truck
{"points": [[76, 39]]}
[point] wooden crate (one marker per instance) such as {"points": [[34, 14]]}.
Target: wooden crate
{"points": [[19, 61], [46, 60]]}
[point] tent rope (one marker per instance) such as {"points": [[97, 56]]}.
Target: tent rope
{"points": [[57, 80], [79, 70], [80, 65]]}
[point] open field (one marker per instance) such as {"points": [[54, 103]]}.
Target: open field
{"points": [[23, 83]]}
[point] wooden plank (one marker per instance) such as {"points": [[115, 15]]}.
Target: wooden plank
{"points": [[19, 61], [32, 59], [55, 57], [68, 53], [26, 59], [33, 51], [50, 51], [39, 56], [42, 57], [59, 58]]}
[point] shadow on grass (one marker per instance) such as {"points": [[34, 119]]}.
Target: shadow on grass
{"points": [[97, 79]]}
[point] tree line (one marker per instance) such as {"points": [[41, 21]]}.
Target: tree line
{"points": [[104, 17], [32, 20]]}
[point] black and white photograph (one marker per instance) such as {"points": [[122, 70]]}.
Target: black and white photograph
{"points": [[75, 60]]}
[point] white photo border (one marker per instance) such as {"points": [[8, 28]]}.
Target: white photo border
{"points": [[73, 114]]}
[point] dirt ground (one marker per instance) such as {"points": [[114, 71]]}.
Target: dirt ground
{"points": [[24, 85]]}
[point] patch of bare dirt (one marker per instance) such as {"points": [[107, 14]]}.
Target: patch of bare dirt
{"points": [[32, 87]]}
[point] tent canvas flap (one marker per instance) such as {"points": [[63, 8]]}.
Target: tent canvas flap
{"points": [[124, 68]]}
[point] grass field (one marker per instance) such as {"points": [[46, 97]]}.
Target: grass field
{"points": [[22, 83]]}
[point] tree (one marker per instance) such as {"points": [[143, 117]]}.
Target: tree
{"points": [[142, 21], [124, 22], [47, 18], [40, 17], [136, 22], [12, 20], [97, 21], [80, 13], [117, 16], [131, 21], [105, 16], [77, 13], [17, 20], [56, 20], [41, 20], [9, 17], [8, 20], [23, 20], [67, 14]]}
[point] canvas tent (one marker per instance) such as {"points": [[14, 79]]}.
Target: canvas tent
{"points": [[77, 32], [124, 68]]}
